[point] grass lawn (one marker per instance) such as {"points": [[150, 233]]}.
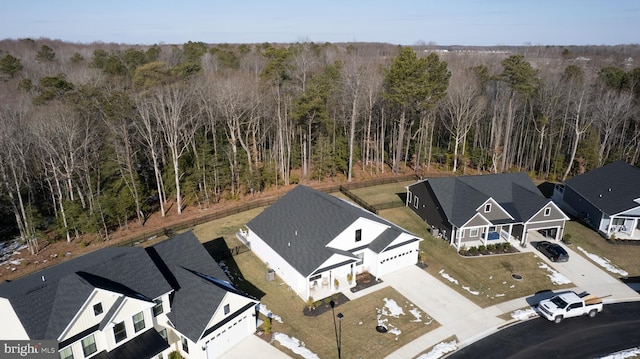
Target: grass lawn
{"points": [[489, 276], [360, 338], [383, 194], [621, 256]]}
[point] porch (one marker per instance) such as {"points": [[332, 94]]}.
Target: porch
{"points": [[327, 284], [487, 238]]}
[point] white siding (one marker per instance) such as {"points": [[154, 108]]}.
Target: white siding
{"points": [[129, 307], [85, 317], [347, 239], [273, 260], [11, 328]]}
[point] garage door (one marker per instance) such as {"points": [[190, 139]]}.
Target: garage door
{"points": [[228, 336], [400, 259]]}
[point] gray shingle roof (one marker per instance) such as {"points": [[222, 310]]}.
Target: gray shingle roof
{"points": [[459, 197], [611, 188], [200, 285], [46, 307], [301, 224]]}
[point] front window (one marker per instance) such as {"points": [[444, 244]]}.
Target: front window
{"points": [[97, 309], [226, 309], [618, 221], [473, 232], [157, 309], [138, 322], [185, 345], [547, 212], [487, 207], [119, 332], [358, 235], [66, 353], [89, 345]]}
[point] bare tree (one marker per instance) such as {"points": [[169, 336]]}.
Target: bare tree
{"points": [[610, 110]]}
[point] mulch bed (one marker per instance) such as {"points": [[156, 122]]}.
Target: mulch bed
{"points": [[324, 305], [364, 281]]}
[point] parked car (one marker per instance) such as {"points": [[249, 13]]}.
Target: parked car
{"points": [[553, 251], [570, 304]]}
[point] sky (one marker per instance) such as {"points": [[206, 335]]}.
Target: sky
{"points": [[401, 22]]}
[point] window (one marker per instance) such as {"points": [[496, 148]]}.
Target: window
{"points": [[473, 232], [89, 345], [66, 353], [415, 201], [185, 345], [226, 309], [360, 259], [138, 322], [157, 309], [547, 212], [618, 221], [97, 309], [163, 334], [119, 332], [409, 197], [358, 235], [487, 207]]}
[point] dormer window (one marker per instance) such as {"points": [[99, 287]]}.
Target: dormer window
{"points": [[487, 207], [97, 309], [547, 212], [358, 235]]}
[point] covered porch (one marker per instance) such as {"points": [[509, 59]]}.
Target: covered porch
{"points": [[486, 235], [328, 281]]}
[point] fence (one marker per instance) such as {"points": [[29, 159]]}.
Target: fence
{"points": [[169, 231]]}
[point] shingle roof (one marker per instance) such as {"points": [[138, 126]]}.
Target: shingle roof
{"points": [[200, 285], [301, 224], [46, 307], [611, 188], [460, 197]]}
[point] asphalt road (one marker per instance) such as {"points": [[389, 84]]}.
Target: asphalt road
{"points": [[616, 328]]}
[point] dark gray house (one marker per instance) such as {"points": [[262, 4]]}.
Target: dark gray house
{"points": [[607, 199], [485, 209]]}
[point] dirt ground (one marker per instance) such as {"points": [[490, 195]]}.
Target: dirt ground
{"points": [[51, 253]]}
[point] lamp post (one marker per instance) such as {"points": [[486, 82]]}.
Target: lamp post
{"points": [[335, 327], [340, 316]]}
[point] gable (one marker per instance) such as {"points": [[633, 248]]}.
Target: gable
{"points": [[492, 210], [368, 231], [550, 212], [236, 303], [86, 317], [477, 221]]}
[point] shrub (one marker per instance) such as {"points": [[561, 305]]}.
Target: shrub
{"points": [[482, 249], [310, 303], [175, 355], [491, 247], [506, 246], [266, 326], [473, 250]]}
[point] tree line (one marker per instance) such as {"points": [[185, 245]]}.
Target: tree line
{"points": [[97, 137]]}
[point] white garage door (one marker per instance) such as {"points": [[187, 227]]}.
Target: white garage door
{"points": [[228, 336], [400, 259]]}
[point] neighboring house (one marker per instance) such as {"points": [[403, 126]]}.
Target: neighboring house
{"points": [[485, 209], [311, 239], [607, 199], [130, 303]]}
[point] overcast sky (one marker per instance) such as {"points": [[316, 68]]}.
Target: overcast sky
{"points": [[403, 22]]}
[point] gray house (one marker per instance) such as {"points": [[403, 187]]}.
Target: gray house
{"points": [[607, 199], [318, 243], [485, 209]]}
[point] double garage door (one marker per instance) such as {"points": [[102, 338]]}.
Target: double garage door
{"points": [[229, 335]]}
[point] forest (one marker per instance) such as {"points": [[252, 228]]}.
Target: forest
{"points": [[96, 137]]}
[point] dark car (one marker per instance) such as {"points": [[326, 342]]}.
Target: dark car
{"points": [[553, 251]]}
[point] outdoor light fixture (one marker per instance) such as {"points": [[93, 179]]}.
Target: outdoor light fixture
{"points": [[340, 316]]}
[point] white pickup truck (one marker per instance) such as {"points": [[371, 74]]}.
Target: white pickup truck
{"points": [[570, 304]]}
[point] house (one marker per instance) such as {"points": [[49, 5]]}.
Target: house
{"points": [[131, 303], [480, 210], [316, 242], [607, 199]]}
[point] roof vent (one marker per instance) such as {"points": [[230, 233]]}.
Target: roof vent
{"points": [[600, 196], [609, 189], [43, 279], [297, 230], [288, 244]]}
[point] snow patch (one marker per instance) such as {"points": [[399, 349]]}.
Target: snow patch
{"points": [[474, 292], [295, 345], [604, 262], [556, 277], [629, 353], [416, 314], [522, 314], [439, 350], [448, 277], [394, 309], [267, 313]]}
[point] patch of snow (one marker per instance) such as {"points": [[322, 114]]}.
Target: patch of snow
{"points": [[267, 313], [416, 314], [556, 277], [439, 350], [394, 309], [522, 314], [448, 277], [629, 353], [295, 346], [395, 331], [474, 292], [512, 286], [491, 277], [500, 295], [604, 262]]}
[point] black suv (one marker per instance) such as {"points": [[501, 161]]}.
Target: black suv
{"points": [[553, 251]]}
